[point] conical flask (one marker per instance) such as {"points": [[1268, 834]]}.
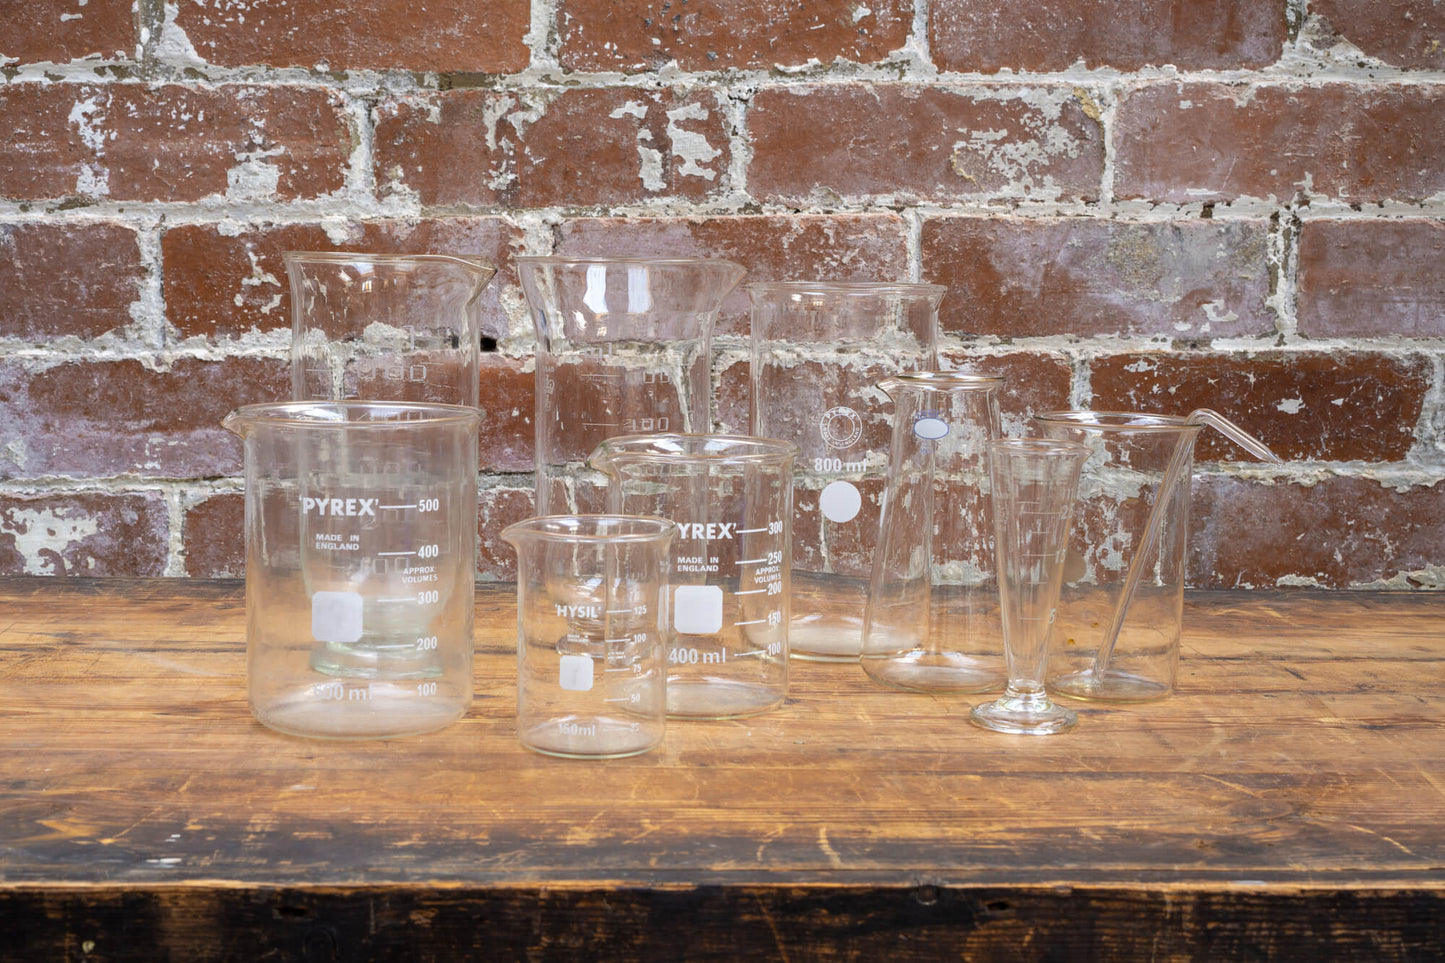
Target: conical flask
{"points": [[623, 347], [386, 327], [932, 619]]}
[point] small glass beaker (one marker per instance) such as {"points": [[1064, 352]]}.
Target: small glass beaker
{"points": [[360, 565], [624, 346], [932, 621], [1131, 452], [819, 350], [386, 327], [731, 497], [593, 628]]}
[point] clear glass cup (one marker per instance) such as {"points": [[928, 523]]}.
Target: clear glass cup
{"points": [[593, 627], [361, 528], [931, 622], [1131, 453], [819, 350], [624, 346], [731, 497], [386, 327], [1035, 485]]}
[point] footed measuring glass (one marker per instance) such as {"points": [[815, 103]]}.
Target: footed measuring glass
{"points": [[623, 347], [386, 326], [819, 350], [360, 565], [593, 628], [931, 622], [1035, 485], [731, 497]]}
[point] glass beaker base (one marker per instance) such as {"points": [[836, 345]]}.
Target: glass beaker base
{"points": [[1111, 686], [936, 672], [1023, 717], [589, 737], [373, 660], [820, 642], [386, 712], [718, 698]]}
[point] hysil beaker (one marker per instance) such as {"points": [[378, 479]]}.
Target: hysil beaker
{"points": [[623, 347], [1131, 453], [593, 629], [360, 565], [819, 350], [932, 618], [386, 326], [731, 498]]}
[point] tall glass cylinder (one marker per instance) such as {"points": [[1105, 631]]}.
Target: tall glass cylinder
{"points": [[623, 347], [819, 350]]}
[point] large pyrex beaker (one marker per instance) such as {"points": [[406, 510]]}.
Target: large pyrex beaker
{"points": [[386, 327], [623, 347], [932, 622]]}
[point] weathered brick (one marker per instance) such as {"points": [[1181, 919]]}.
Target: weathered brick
{"points": [[56, 33], [1403, 33], [508, 403], [103, 418], [445, 36], [979, 35], [1032, 383], [90, 534], [498, 508], [639, 35], [224, 285], [1306, 406], [214, 535], [1365, 278], [1192, 142], [862, 247], [819, 143], [59, 280], [171, 142], [1336, 532], [577, 147], [1022, 277]]}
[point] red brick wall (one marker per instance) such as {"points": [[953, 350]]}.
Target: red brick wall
{"points": [[1147, 204]]}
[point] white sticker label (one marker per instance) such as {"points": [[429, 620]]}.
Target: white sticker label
{"points": [[840, 501], [697, 609], [930, 429], [574, 673], [336, 616]]}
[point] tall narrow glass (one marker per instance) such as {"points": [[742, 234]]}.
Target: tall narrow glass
{"points": [[819, 350], [623, 347], [1035, 485], [930, 624]]}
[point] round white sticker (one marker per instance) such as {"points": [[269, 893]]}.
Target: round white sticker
{"points": [[930, 429], [840, 501]]}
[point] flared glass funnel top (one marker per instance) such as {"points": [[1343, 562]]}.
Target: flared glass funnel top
{"points": [[623, 347]]}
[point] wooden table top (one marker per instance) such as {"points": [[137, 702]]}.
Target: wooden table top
{"points": [[1298, 774]]}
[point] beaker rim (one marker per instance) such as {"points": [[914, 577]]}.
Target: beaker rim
{"points": [[343, 414], [631, 261], [944, 380], [591, 528], [695, 446], [1087, 419], [852, 288], [1039, 444], [472, 261]]}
